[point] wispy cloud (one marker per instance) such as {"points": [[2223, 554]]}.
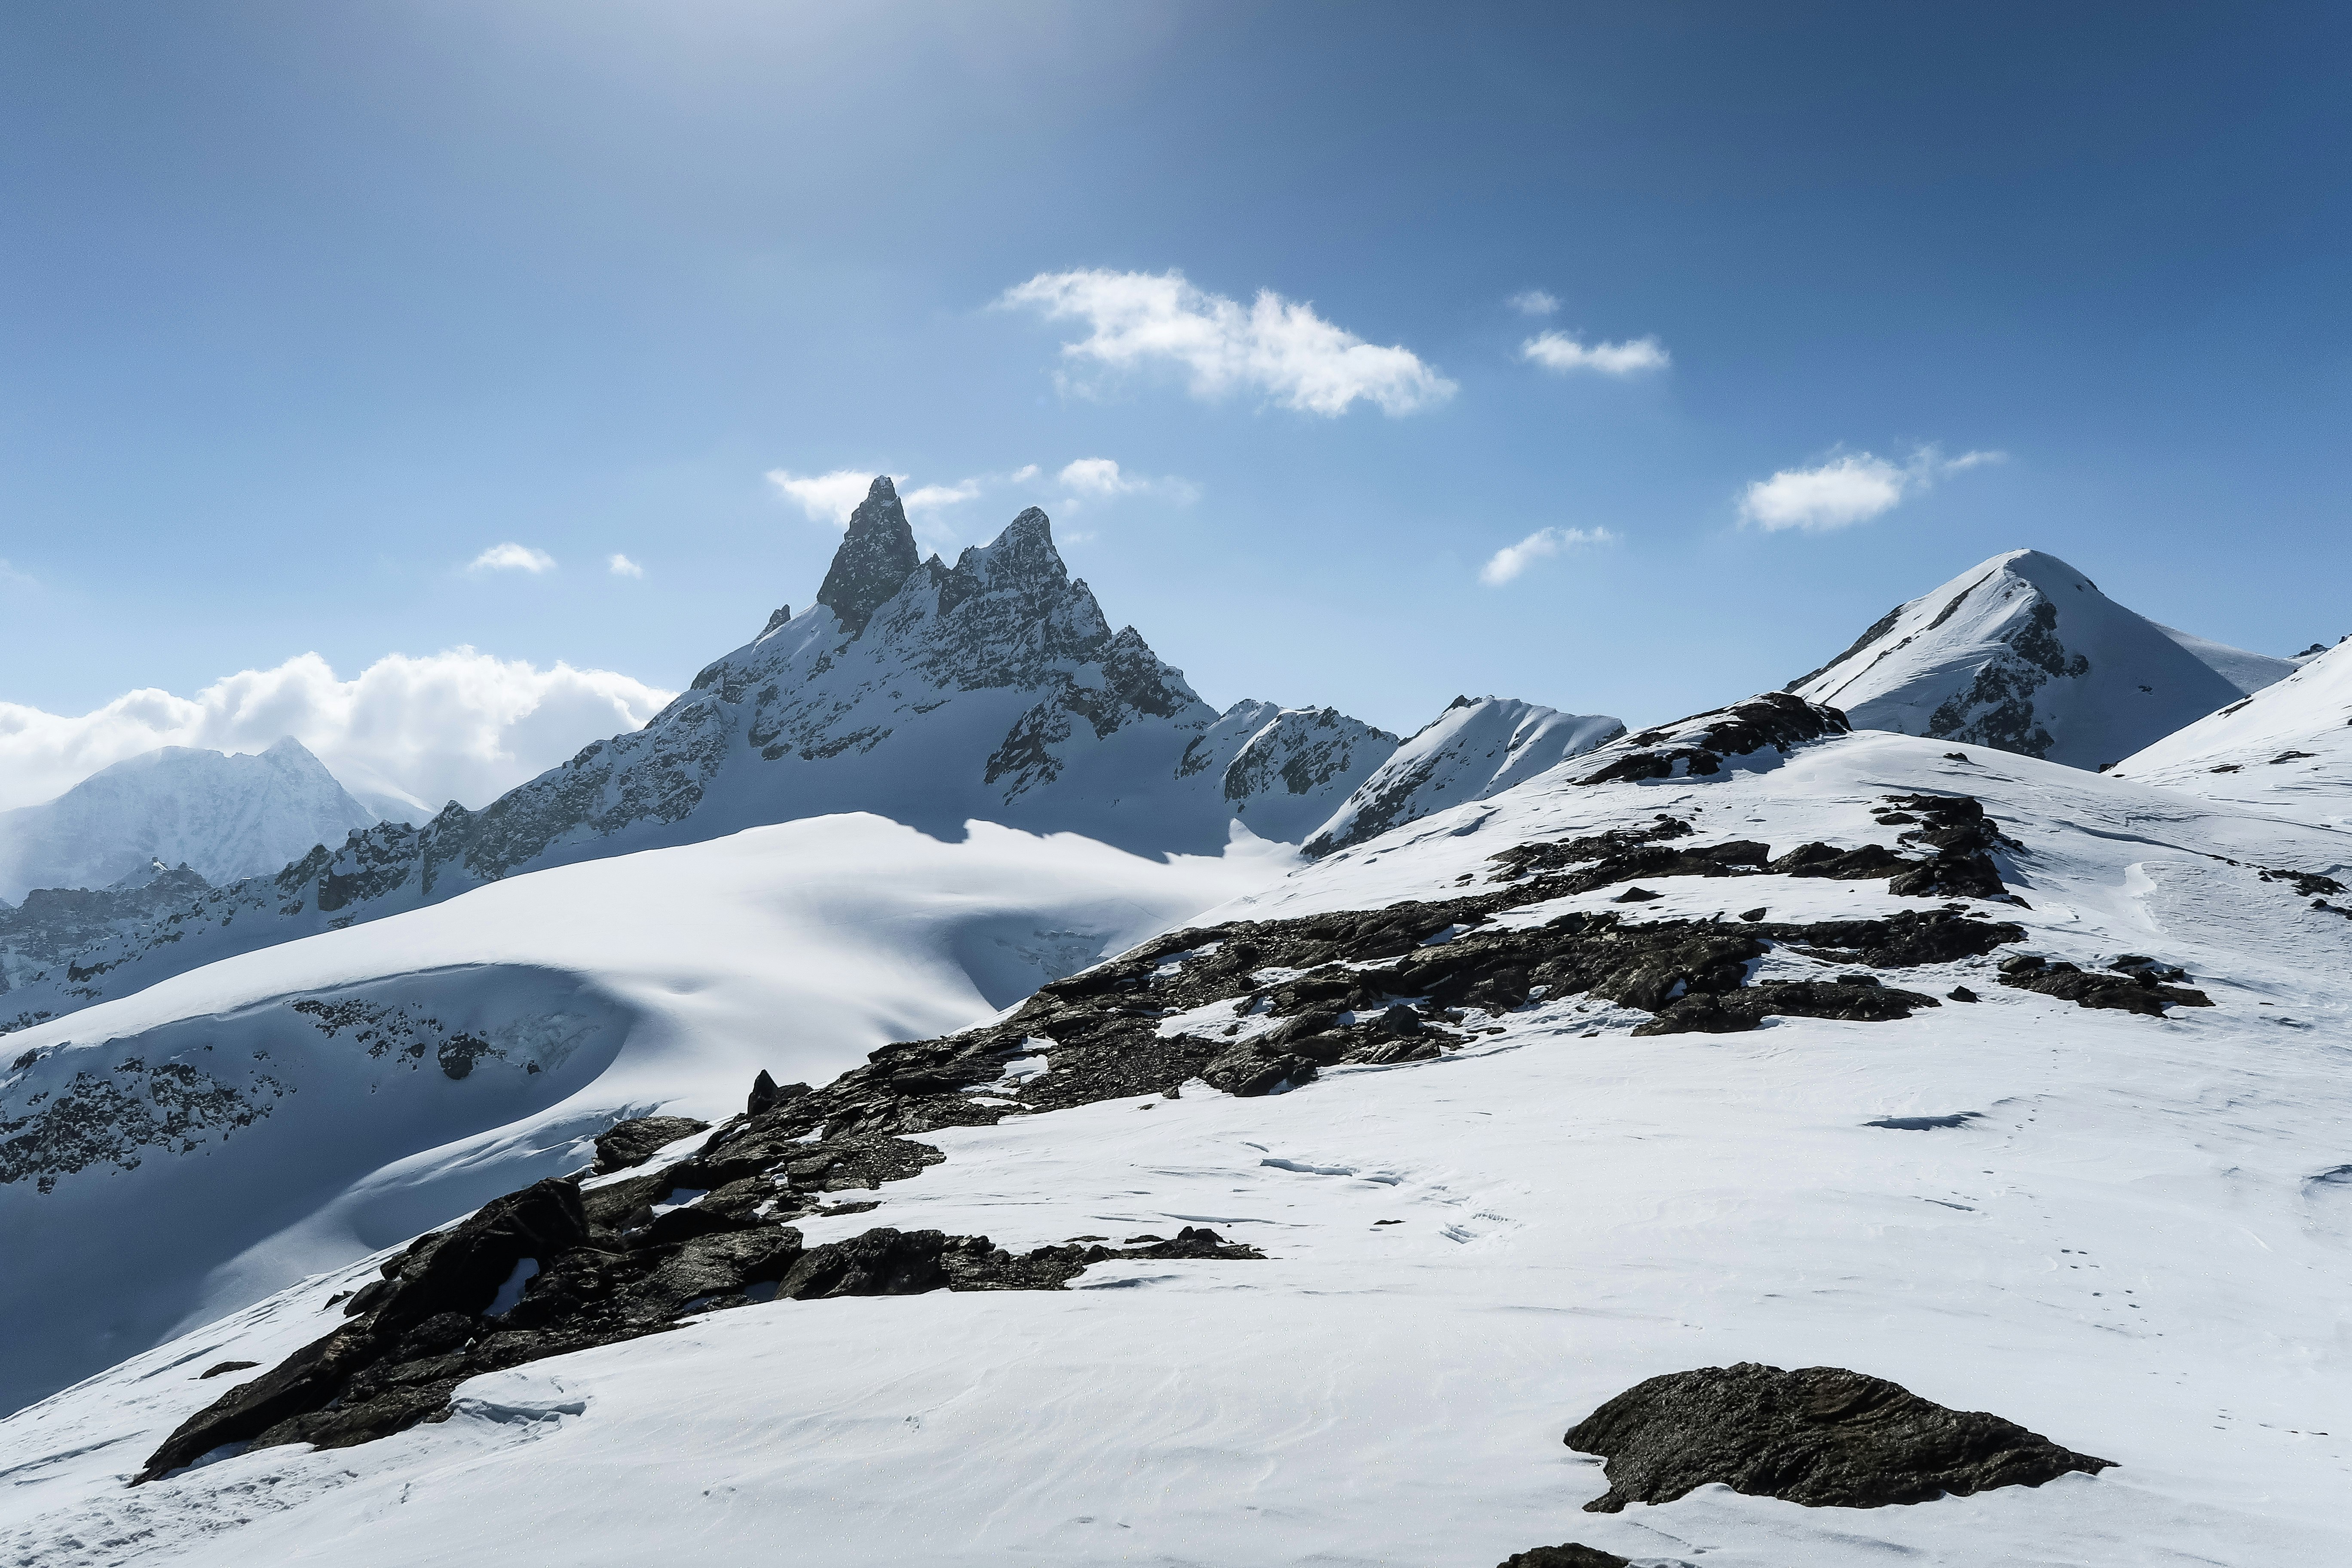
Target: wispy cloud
{"points": [[10, 577], [1513, 559], [1849, 489], [1534, 302], [1275, 346], [1101, 479], [828, 497], [512, 557], [620, 566], [1560, 351], [931, 497]]}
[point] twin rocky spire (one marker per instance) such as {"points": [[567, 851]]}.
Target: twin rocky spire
{"points": [[878, 553]]}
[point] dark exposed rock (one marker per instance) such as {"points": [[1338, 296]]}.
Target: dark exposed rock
{"points": [[2137, 992], [2308, 884], [1820, 1436], [1572, 1555], [227, 1366], [1925, 1123], [876, 556], [1696, 746], [548, 1271], [767, 1092], [634, 1141]]}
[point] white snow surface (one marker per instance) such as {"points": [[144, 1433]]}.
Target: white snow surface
{"points": [[287, 1110], [224, 816], [1471, 751], [2287, 747], [2023, 653], [2138, 1247]]}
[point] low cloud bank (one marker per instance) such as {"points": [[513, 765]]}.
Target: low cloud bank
{"points": [[405, 735]]}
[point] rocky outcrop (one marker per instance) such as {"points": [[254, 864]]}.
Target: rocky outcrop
{"points": [[2136, 984], [1697, 747], [1820, 1436]]}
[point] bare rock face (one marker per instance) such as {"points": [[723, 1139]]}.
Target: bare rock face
{"points": [[1820, 1436], [875, 558]]}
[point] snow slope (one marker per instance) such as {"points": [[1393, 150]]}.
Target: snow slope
{"points": [[2023, 653], [223, 816], [1469, 751], [193, 1148], [2288, 747], [2135, 1241]]}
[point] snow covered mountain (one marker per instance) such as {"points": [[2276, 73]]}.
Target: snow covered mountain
{"points": [[992, 690], [222, 816], [1299, 1235], [2023, 653], [1469, 751], [2288, 747]]}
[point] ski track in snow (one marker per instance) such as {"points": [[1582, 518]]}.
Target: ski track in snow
{"points": [[2136, 1245]]}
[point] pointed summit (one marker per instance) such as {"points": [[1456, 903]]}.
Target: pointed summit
{"points": [[875, 557]]}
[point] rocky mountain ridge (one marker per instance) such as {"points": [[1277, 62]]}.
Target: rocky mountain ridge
{"points": [[992, 689], [2022, 653]]}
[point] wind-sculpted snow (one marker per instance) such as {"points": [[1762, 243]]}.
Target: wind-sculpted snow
{"points": [[1470, 751], [992, 690], [2024, 654], [1513, 1142], [2288, 747]]}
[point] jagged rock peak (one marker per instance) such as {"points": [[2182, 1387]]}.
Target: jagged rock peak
{"points": [[875, 557]]}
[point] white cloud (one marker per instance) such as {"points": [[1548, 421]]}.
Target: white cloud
{"points": [[1534, 302], [827, 497], [1558, 350], [1849, 489], [1100, 479], [12, 578], [512, 557], [456, 725], [1275, 346], [1097, 477], [931, 498], [1512, 558], [1024, 474], [622, 566]]}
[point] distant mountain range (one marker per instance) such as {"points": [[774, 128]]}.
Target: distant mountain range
{"points": [[223, 816]]}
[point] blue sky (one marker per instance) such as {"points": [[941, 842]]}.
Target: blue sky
{"points": [[305, 308]]}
